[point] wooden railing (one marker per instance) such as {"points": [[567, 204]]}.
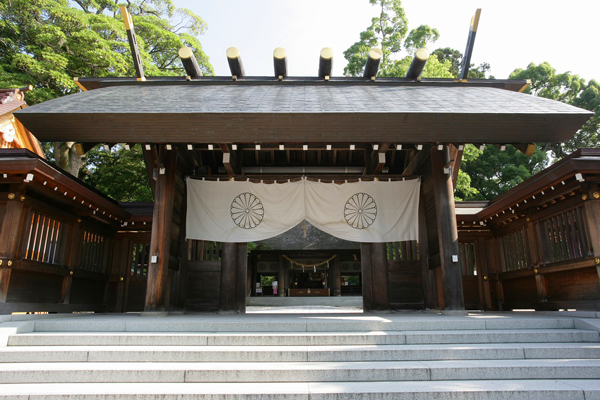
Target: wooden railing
{"points": [[44, 238], [202, 250], [403, 251], [467, 259], [514, 250], [563, 237], [93, 252]]}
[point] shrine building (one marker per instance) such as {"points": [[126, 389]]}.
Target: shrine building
{"points": [[341, 186]]}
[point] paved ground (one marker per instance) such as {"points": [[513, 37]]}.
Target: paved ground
{"points": [[304, 309]]}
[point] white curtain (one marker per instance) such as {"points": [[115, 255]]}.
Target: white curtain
{"points": [[233, 211]]}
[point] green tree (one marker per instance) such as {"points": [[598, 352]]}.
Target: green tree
{"points": [[455, 58], [389, 32], [46, 43], [570, 89], [119, 173], [493, 171]]}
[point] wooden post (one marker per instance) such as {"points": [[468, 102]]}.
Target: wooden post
{"points": [[241, 274], [232, 297], [592, 215], [379, 273], [11, 233], [367, 282], [336, 276], [375, 276], [281, 278], [160, 242], [447, 231]]}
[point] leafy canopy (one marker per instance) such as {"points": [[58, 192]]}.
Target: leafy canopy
{"points": [[45, 43], [389, 31]]}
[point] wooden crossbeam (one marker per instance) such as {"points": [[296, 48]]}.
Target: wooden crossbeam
{"points": [[378, 159], [228, 162]]}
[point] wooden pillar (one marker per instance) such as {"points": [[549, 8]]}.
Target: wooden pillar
{"points": [[367, 282], [281, 277], [11, 233], [375, 276], [160, 242], [336, 276], [447, 231], [592, 215], [234, 259]]}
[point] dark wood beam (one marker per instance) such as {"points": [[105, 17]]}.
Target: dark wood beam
{"points": [[279, 62], [83, 148], [417, 64], [229, 159], [189, 62], [378, 158], [325, 63], [526, 148], [157, 292], [372, 64], [235, 63], [151, 159], [135, 53], [456, 156], [447, 231], [466, 64]]}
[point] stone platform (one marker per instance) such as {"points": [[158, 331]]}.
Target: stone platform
{"points": [[413, 355]]}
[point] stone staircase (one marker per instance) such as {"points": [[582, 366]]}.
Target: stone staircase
{"points": [[387, 356]]}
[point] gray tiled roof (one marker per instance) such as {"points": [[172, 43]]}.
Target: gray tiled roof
{"points": [[298, 112], [355, 98]]}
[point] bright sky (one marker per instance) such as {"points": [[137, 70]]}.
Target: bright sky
{"points": [[512, 33]]}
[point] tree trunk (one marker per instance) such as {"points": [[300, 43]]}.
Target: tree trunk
{"points": [[67, 158]]}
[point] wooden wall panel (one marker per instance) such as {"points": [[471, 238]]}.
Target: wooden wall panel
{"points": [[203, 283], [579, 284], [86, 291], [471, 292], [522, 289], [405, 286], [34, 287]]}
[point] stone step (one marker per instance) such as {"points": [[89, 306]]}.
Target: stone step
{"points": [[304, 338], [576, 389], [299, 371], [283, 323], [477, 351]]}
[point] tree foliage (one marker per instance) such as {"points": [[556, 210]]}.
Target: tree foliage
{"points": [[45, 43], [118, 172], [570, 89], [389, 32], [492, 172]]}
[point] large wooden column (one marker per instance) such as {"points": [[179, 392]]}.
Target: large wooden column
{"points": [[282, 272], [336, 276], [592, 214], [11, 232], [374, 276], [447, 231], [160, 242], [234, 260]]}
